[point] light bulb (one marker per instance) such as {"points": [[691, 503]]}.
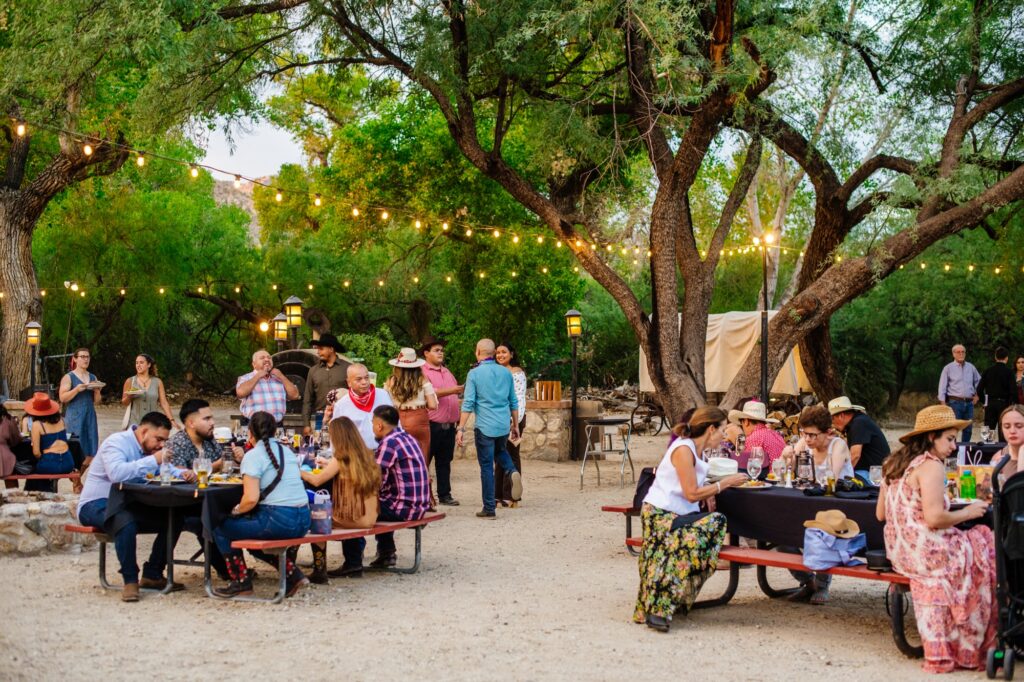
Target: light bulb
{"points": [[558, 244], [515, 274], [578, 243], [161, 291], [448, 279], [316, 200], [469, 232], [199, 289], [946, 267], [122, 292], [416, 280], [42, 292], [496, 234], [238, 290], [74, 286], [140, 160], [380, 283], [355, 212], [238, 181], [87, 149], [274, 287], [923, 266], [278, 197], [194, 172], [20, 130], [769, 237], [418, 224], [347, 283], [515, 239], [544, 270], [384, 215], [444, 226], [482, 275]]}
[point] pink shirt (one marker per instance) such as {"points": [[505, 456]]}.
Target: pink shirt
{"points": [[770, 440], [447, 411]]}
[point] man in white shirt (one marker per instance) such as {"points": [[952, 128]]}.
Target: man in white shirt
{"points": [[359, 402]]}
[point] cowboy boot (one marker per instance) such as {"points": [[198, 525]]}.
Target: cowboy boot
{"points": [[319, 574], [296, 579], [241, 582]]}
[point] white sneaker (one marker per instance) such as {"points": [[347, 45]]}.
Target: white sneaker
{"points": [[517, 486]]}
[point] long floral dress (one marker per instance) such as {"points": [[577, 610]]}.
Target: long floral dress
{"points": [[952, 579], [674, 565]]}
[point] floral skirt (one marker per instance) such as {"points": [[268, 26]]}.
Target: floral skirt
{"points": [[674, 564]]}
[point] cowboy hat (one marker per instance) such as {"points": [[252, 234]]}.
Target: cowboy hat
{"points": [[752, 410], [407, 359], [328, 341], [430, 342], [843, 404], [41, 405], [934, 418], [835, 523]]}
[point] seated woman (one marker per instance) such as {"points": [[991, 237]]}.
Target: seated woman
{"points": [[274, 506], [681, 543], [1011, 422], [356, 482], [951, 571], [10, 440], [49, 441]]}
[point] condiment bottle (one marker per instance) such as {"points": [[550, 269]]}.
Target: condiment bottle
{"points": [[968, 486]]}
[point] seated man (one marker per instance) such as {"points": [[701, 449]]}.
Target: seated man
{"points": [[404, 489], [124, 456], [753, 420], [185, 447], [867, 443]]}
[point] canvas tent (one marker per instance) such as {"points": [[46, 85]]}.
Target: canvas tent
{"points": [[731, 336]]}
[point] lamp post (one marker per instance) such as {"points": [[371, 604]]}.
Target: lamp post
{"points": [[293, 311], [280, 330], [768, 239], [574, 327], [33, 334]]}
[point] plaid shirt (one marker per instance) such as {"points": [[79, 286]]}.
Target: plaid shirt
{"points": [[268, 396], [404, 487]]}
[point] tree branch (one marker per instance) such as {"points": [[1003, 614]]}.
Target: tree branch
{"points": [[868, 168]]}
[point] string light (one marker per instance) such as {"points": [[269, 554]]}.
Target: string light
{"points": [[970, 268], [161, 291], [469, 232], [384, 215], [540, 239], [998, 270], [19, 129], [380, 283], [923, 266], [238, 290], [482, 275], [199, 289], [193, 171], [238, 181], [355, 212], [140, 160], [310, 287], [346, 284], [274, 287], [418, 224], [444, 226], [515, 274], [317, 201], [558, 244], [544, 270], [496, 234], [448, 279], [87, 149], [42, 292], [416, 280], [515, 239], [82, 294], [278, 197], [946, 267], [122, 292]]}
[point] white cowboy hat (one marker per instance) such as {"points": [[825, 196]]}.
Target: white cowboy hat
{"points": [[752, 410], [843, 404], [407, 359]]}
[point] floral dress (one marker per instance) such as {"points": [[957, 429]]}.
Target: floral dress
{"points": [[952, 579]]}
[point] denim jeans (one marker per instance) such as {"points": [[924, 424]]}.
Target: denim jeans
{"points": [[488, 450], [145, 520], [353, 549], [963, 409], [265, 522]]}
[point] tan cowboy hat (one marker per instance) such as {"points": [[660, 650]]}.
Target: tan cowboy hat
{"points": [[41, 406], [835, 523], [843, 404], [752, 410], [407, 359], [934, 418]]}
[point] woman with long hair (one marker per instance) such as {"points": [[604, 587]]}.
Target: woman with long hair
{"points": [[414, 396], [506, 356], [356, 476], [1018, 377], [10, 438], [681, 543], [1011, 422], [144, 391], [274, 506], [951, 571], [80, 392]]}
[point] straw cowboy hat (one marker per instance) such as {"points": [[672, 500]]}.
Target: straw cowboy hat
{"points": [[407, 359], [934, 418], [843, 404], [835, 523], [752, 410], [41, 406]]}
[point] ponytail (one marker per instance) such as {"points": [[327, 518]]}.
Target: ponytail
{"points": [[695, 423]]}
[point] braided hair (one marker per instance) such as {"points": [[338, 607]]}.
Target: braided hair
{"points": [[263, 427]]}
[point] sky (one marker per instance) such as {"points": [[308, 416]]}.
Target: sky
{"points": [[259, 152]]}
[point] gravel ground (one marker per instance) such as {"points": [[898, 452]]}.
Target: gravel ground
{"points": [[544, 592]]}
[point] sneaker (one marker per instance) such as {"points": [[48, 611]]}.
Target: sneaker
{"points": [[296, 581], [159, 584], [347, 571], [517, 486], [235, 588], [130, 592], [484, 514], [449, 501], [384, 561]]}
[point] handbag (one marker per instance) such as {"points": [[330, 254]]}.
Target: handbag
{"points": [[320, 513], [126, 419], [643, 484]]}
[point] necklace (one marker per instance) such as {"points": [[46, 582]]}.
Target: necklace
{"points": [[143, 386]]}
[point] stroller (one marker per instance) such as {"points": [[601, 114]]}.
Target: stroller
{"points": [[1008, 528]]}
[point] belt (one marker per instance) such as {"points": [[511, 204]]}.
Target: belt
{"points": [[958, 399], [444, 426]]}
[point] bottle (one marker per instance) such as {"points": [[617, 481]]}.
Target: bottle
{"points": [[968, 486]]}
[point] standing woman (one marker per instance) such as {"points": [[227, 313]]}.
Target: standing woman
{"points": [[952, 572], [80, 392], [681, 543], [413, 395], [1018, 376], [145, 392], [508, 358]]}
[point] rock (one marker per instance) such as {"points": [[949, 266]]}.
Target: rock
{"points": [[31, 544], [34, 508], [37, 526], [15, 510], [55, 509]]}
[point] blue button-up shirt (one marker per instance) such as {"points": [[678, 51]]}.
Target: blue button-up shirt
{"points": [[119, 459], [491, 396], [958, 380]]}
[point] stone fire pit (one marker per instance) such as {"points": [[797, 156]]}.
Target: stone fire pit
{"points": [[33, 522]]}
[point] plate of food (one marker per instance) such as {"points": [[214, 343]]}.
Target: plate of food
{"points": [[755, 485], [95, 384], [221, 479]]}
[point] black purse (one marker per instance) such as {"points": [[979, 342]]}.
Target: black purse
{"points": [[643, 484]]}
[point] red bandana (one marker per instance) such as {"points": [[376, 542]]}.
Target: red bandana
{"points": [[364, 403]]}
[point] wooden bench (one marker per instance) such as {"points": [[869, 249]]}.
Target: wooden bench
{"points": [[895, 597], [41, 477], [629, 511], [104, 540]]}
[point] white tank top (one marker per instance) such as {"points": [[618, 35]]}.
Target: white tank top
{"points": [[666, 492]]}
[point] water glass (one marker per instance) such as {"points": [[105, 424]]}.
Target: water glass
{"points": [[875, 473], [986, 433], [753, 468], [821, 473], [779, 468]]}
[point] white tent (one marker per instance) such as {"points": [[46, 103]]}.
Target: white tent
{"points": [[731, 337]]}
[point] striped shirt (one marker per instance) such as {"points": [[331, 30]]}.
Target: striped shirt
{"points": [[404, 487], [268, 395]]}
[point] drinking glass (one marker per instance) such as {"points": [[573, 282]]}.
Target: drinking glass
{"points": [[706, 454], [779, 468], [757, 452], [202, 467], [985, 433], [753, 468], [875, 473], [821, 473]]}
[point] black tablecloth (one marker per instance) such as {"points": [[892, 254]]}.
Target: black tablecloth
{"points": [[987, 450], [213, 504], [777, 515]]}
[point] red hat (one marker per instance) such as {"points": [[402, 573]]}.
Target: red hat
{"points": [[41, 405]]}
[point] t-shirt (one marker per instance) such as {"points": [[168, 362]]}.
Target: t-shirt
{"points": [[289, 492], [864, 432]]}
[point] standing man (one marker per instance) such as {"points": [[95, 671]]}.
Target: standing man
{"points": [[867, 443], [323, 377], [753, 419], [124, 456], [265, 389], [997, 388], [359, 402], [491, 396], [443, 419], [958, 387]]}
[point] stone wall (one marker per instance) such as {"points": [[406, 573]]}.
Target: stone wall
{"points": [[33, 522], [546, 434]]}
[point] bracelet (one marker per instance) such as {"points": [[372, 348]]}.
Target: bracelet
{"points": [[719, 484]]}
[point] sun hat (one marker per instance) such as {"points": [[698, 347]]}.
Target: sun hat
{"points": [[752, 410], [835, 523], [407, 359], [328, 341], [843, 404], [41, 405], [934, 418], [430, 342]]}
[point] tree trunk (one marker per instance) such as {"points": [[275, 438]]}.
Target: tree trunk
{"points": [[820, 364], [902, 364], [21, 302]]}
